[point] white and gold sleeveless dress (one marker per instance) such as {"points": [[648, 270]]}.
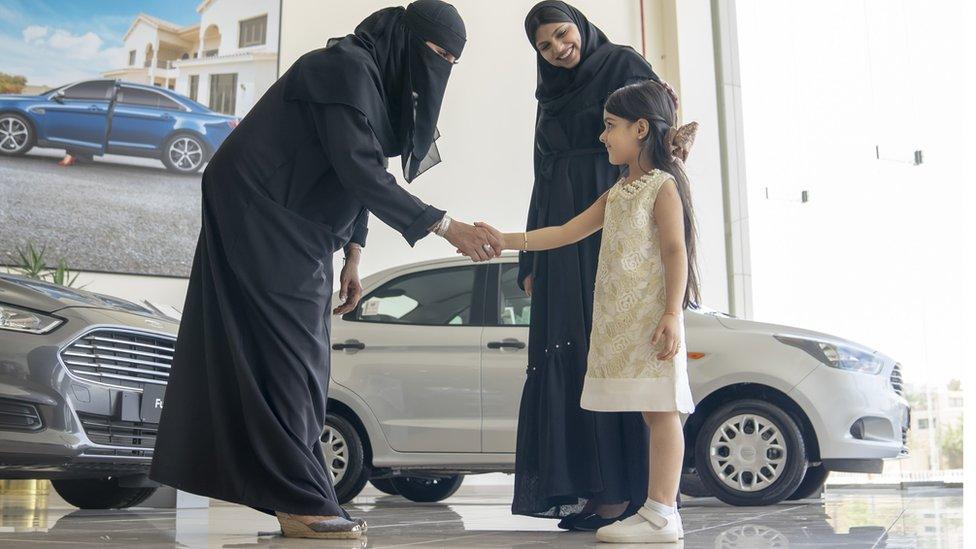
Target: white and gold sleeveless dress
{"points": [[623, 372]]}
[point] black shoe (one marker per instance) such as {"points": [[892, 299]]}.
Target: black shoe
{"points": [[567, 522], [592, 522]]}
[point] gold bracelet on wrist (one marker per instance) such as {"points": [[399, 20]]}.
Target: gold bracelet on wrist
{"points": [[525, 240]]}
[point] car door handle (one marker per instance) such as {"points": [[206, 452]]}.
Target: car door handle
{"points": [[95, 108], [349, 344], [507, 343], [166, 116]]}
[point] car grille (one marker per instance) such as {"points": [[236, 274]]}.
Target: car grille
{"points": [[121, 358], [895, 380], [132, 438]]}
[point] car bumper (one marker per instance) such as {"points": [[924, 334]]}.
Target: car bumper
{"points": [[856, 417], [34, 380]]}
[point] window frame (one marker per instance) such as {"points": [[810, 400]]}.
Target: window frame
{"points": [[109, 90], [194, 83], [233, 88], [240, 31], [180, 107], [478, 316], [493, 298]]}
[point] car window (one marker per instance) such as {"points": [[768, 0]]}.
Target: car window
{"points": [[440, 297], [514, 306], [146, 98], [96, 89]]}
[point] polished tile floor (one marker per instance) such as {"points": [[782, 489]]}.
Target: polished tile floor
{"points": [[478, 516]]}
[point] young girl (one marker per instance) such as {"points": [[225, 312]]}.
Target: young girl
{"points": [[645, 279]]}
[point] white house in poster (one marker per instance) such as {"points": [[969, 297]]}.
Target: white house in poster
{"points": [[225, 61]]}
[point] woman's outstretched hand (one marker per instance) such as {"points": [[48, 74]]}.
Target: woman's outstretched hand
{"points": [[474, 242], [495, 235], [495, 238]]}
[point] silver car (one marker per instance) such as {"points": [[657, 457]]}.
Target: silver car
{"points": [[81, 387], [427, 376]]}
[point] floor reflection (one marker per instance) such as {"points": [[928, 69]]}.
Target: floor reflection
{"points": [[479, 516]]}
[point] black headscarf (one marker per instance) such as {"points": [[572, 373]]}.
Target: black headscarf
{"points": [[386, 71], [600, 64]]}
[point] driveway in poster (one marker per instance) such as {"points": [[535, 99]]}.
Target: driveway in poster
{"points": [[119, 214]]}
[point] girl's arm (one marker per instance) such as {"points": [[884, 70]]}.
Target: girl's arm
{"points": [[670, 220], [574, 230]]}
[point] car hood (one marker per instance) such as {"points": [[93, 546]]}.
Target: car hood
{"points": [[754, 327], [11, 97], [47, 297]]}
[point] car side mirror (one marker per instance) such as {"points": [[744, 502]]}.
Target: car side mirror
{"points": [[58, 96]]}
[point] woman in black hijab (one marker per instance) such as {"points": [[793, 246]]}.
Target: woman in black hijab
{"points": [[247, 394], [585, 467]]}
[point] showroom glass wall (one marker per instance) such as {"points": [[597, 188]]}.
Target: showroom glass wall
{"points": [[853, 158]]}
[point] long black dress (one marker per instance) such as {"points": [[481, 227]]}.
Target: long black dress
{"points": [[566, 455], [246, 401]]}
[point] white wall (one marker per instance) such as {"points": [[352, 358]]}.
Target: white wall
{"points": [[143, 35], [875, 255], [254, 77], [227, 15], [488, 116], [695, 62]]}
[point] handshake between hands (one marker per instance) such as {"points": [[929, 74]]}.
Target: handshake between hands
{"points": [[480, 241]]}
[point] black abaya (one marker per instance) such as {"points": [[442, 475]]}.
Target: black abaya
{"points": [[248, 387], [567, 456], [246, 400]]}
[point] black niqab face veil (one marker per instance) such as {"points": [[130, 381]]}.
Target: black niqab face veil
{"points": [[441, 24], [387, 71]]}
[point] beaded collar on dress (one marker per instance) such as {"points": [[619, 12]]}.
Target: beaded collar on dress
{"points": [[633, 187]]}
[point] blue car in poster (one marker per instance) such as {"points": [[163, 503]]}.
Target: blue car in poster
{"points": [[115, 117]]}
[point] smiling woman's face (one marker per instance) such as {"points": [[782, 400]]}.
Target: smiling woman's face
{"points": [[559, 44]]}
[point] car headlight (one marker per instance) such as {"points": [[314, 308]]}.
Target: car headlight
{"points": [[842, 357], [23, 320]]}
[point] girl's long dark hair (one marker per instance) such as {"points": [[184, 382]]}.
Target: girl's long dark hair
{"points": [[650, 100]]}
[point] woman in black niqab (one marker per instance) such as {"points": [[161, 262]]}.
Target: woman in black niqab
{"points": [[292, 184], [572, 463], [394, 78]]}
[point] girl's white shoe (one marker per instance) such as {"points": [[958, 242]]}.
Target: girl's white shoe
{"points": [[646, 526]]}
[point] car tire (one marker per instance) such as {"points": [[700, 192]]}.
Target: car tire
{"points": [[17, 134], [184, 153], [813, 481], [427, 490], [767, 463], [345, 459], [692, 486], [100, 493], [385, 485]]}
